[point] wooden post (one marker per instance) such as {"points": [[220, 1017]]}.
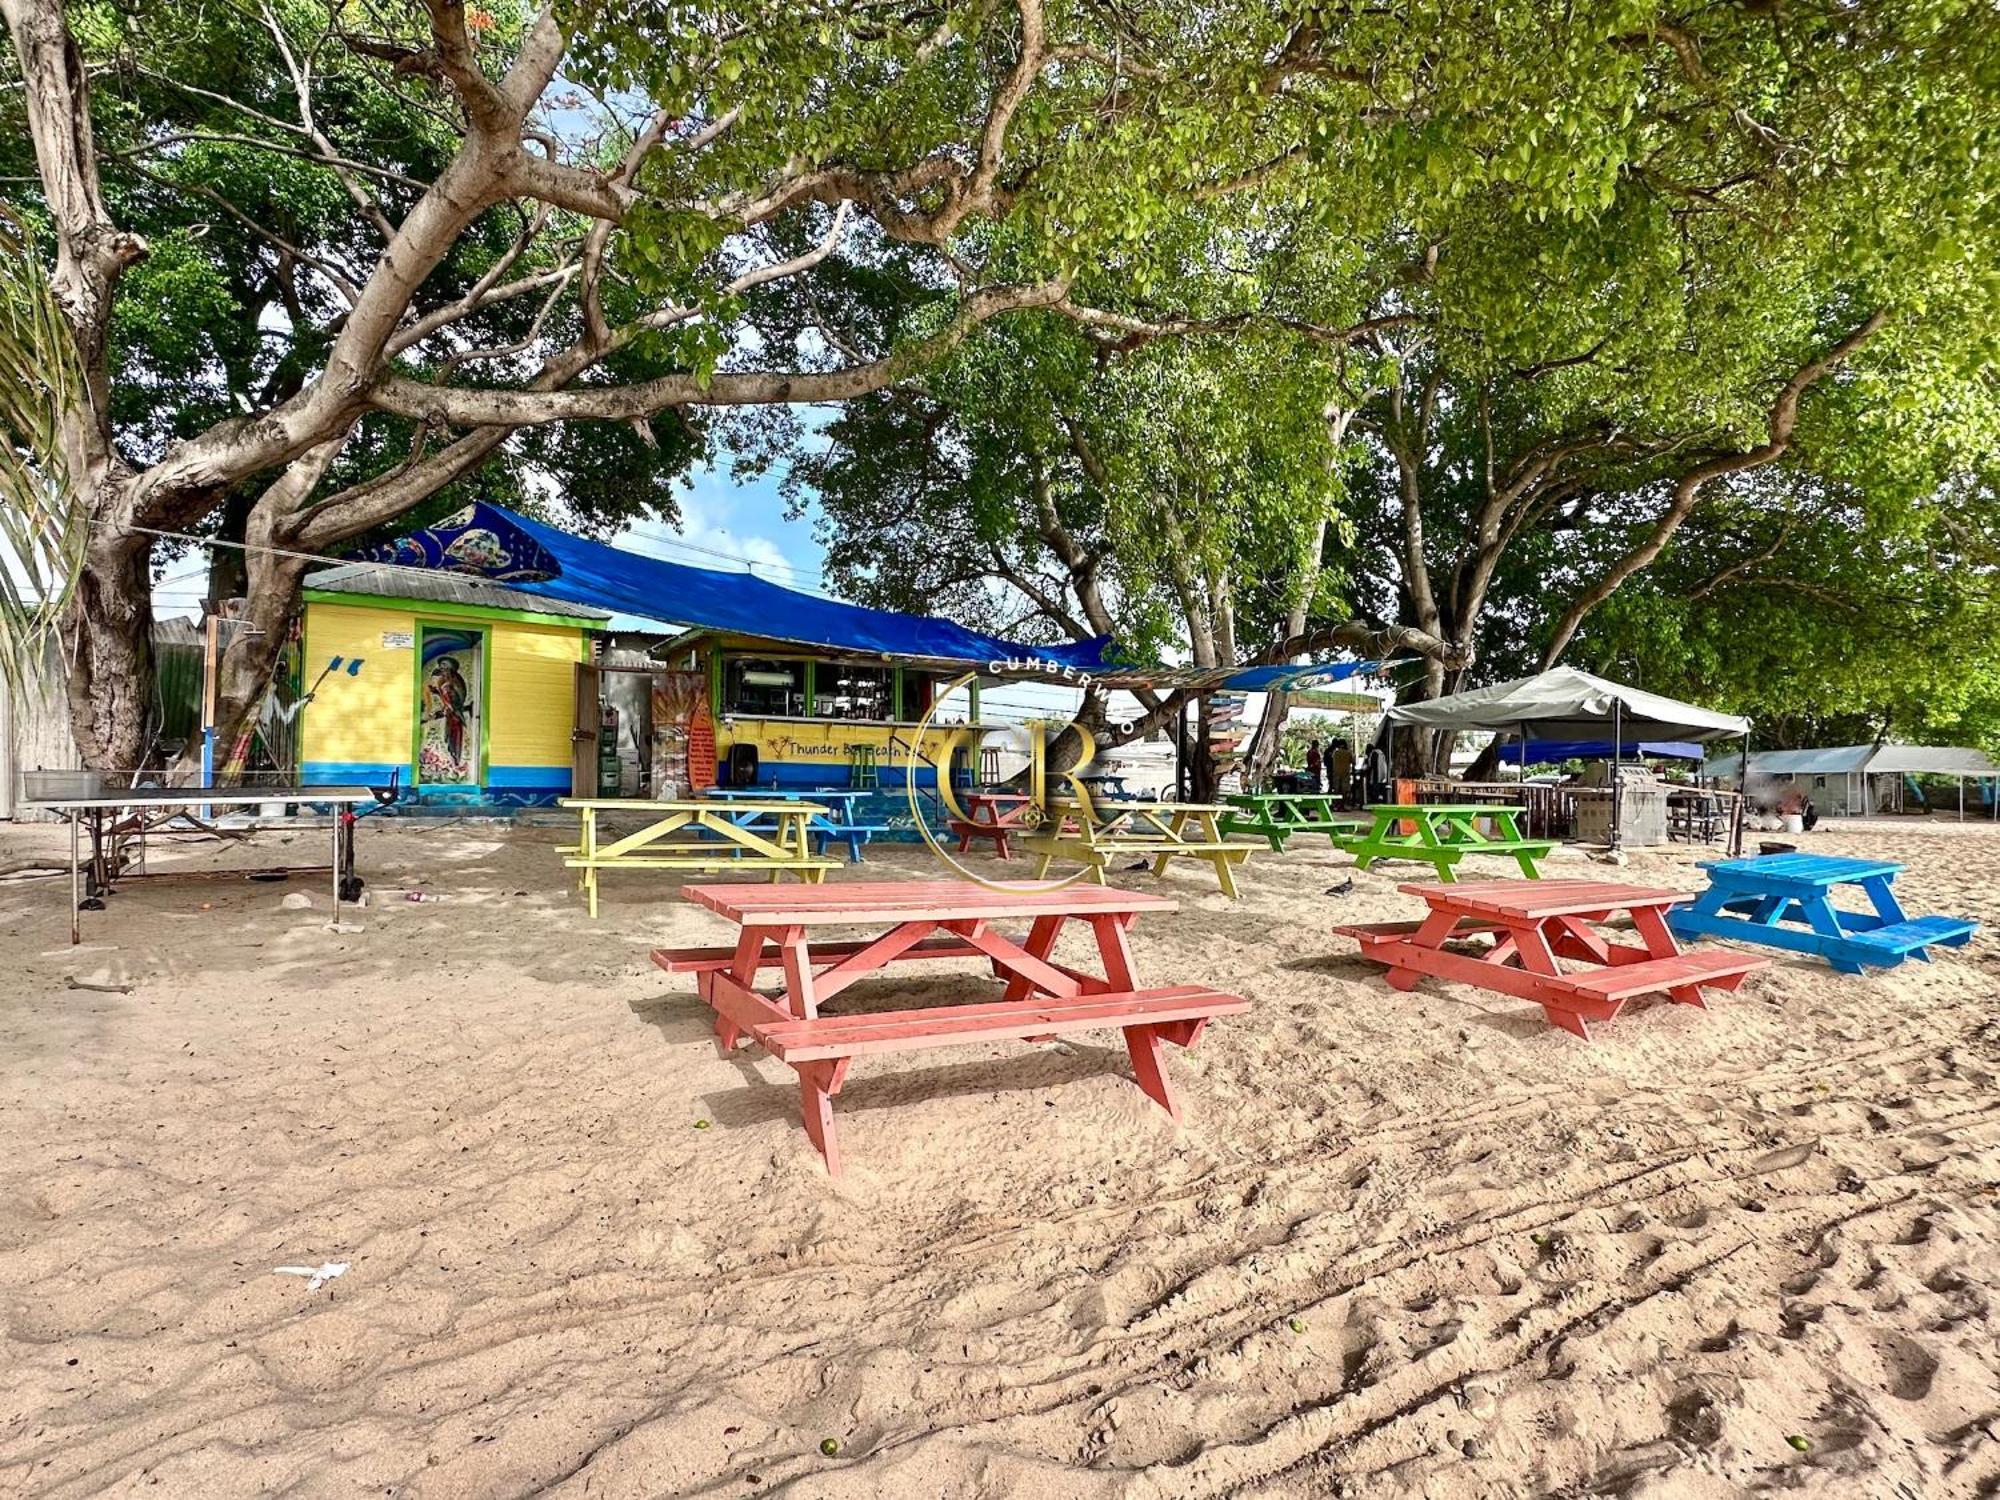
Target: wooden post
{"points": [[211, 635]]}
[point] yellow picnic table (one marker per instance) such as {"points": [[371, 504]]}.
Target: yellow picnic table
{"points": [[1095, 831], [697, 835]]}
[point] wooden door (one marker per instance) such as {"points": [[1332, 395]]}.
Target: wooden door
{"points": [[584, 731]]}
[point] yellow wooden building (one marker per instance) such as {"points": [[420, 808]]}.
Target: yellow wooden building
{"points": [[463, 688]]}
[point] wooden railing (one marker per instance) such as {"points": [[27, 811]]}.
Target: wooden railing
{"points": [[1550, 811]]}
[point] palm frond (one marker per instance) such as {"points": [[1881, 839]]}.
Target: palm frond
{"points": [[43, 531]]}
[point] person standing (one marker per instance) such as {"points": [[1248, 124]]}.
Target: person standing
{"points": [[1340, 770], [1313, 763]]}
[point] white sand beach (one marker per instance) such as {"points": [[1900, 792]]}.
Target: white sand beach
{"points": [[1415, 1244]]}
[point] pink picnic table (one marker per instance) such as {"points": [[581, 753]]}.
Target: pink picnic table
{"points": [[993, 815], [1534, 925], [785, 928]]}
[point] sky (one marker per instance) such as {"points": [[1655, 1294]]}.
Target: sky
{"points": [[743, 522]]}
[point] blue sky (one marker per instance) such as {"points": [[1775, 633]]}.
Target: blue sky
{"points": [[740, 520]]}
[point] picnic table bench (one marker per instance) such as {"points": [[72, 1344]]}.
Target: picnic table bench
{"points": [[1276, 816], [1094, 834], [838, 822], [705, 835], [1442, 834], [1532, 928], [995, 816], [931, 919], [1786, 901]]}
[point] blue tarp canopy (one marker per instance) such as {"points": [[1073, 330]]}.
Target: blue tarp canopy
{"points": [[1298, 679], [1548, 752], [491, 542], [538, 559]]}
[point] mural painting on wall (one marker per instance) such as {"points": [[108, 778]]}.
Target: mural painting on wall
{"points": [[448, 744], [679, 699]]}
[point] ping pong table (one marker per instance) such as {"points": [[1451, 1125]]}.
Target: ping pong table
{"points": [[114, 813]]}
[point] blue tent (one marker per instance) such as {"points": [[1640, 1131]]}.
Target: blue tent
{"points": [[538, 559], [1548, 752], [535, 558]]}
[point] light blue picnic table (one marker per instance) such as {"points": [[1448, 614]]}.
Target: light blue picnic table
{"points": [[840, 822], [1786, 901]]}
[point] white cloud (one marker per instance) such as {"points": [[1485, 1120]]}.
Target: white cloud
{"points": [[702, 526]]}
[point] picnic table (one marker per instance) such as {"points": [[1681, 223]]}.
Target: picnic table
{"points": [[995, 816], [1276, 816], [1532, 928], [931, 919], [1443, 833], [121, 819], [840, 821], [1094, 834], [703, 835], [1106, 784], [1786, 901]]}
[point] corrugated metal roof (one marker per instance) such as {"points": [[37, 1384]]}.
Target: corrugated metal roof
{"points": [[1936, 760], [437, 586], [1834, 760], [1839, 760]]}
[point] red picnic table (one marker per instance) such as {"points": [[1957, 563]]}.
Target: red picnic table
{"points": [[782, 928], [1533, 926], [993, 815]]}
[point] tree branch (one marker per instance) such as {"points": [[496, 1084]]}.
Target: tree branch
{"points": [[1687, 489], [482, 408]]}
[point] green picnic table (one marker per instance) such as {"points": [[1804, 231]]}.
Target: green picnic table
{"points": [[1278, 815], [1445, 832]]}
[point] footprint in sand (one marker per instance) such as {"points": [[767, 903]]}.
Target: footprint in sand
{"points": [[1786, 1157], [1909, 1366]]}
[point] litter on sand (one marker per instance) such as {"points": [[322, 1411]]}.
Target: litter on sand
{"points": [[316, 1276]]}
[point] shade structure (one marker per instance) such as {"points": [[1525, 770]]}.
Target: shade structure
{"points": [[1874, 760], [1566, 704], [1548, 752], [489, 541]]}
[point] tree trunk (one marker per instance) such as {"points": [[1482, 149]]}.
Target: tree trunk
{"points": [[253, 647], [1204, 778], [228, 574], [1416, 749], [1262, 762], [1487, 763], [107, 636]]}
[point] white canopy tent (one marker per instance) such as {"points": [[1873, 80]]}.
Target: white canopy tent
{"points": [[1566, 704], [1854, 764]]}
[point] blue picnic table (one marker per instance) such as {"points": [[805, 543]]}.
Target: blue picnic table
{"points": [[1786, 901], [840, 822]]}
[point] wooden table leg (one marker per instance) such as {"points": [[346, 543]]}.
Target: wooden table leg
{"points": [[1042, 934], [1887, 907], [818, 1083], [1143, 1043], [799, 997], [1113, 951], [1650, 922], [743, 966], [1820, 917], [1537, 954]]}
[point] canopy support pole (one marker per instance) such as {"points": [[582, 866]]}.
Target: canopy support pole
{"points": [[1527, 806], [1617, 751], [1742, 800]]}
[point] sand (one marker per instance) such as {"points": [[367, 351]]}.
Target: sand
{"points": [[1404, 1245]]}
